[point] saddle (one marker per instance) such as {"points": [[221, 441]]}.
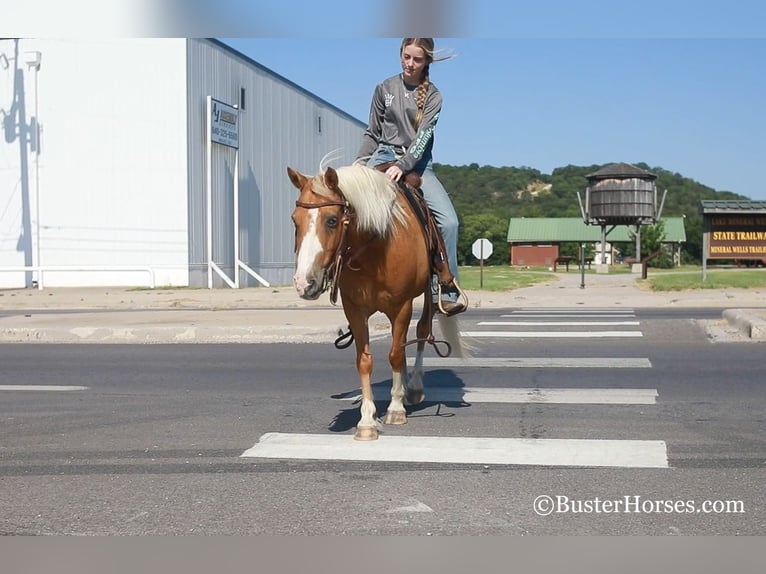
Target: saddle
{"points": [[409, 186]]}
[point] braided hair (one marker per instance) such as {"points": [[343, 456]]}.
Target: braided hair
{"points": [[427, 45]]}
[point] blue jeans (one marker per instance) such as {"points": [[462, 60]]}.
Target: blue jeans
{"points": [[436, 197]]}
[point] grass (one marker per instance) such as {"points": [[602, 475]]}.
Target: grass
{"points": [[716, 279], [502, 278], [687, 277]]}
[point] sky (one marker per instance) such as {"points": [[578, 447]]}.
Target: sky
{"points": [[676, 84], [692, 106]]}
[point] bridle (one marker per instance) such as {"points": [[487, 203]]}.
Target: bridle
{"points": [[334, 271]]}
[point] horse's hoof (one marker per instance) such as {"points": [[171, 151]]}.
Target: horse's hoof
{"points": [[395, 418], [366, 433], [414, 397]]}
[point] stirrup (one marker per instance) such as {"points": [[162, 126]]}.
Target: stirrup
{"points": [[451, 308]]}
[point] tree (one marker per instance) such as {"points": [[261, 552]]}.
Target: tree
{"points": [[652, 237], [473, 227]]}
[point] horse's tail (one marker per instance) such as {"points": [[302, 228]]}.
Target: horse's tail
{"points": [[450, 329]]}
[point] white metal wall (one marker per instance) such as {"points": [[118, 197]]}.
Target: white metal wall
{"points": [[279, 126], [110, 176], [118, 183]]}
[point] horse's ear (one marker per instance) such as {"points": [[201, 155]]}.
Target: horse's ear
{"points": [[331, 179], [296, 177]]}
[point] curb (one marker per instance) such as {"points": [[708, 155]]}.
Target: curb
{"points": [[185, 333], [167, 335], [750, 326]]}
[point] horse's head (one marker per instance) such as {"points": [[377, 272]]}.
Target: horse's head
{"points": [[319, 219]]}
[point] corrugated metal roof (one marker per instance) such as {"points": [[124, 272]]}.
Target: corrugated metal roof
{"points": [[621, 170], [574, 229], [731, 206]]}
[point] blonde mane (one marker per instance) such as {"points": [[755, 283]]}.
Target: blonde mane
{"points": [[372, 196]]}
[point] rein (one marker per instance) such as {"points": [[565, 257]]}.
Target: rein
{"points": [[334, 271]]}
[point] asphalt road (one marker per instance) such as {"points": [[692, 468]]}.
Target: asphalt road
{"points": [[149, 440]]}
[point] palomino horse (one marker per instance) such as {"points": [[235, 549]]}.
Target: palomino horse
{"points": [[354, 230]]}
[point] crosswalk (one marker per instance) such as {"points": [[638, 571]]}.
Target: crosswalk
{"points": [[560, 323]]}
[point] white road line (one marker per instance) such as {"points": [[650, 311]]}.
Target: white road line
{"points": [[416, 507], [552, 334], [537, 362], [41, 388], [464, 450], [573, 309], [527, 395], [557, 323], [572, 315]]}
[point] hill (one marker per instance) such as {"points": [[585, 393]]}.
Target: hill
{"points": [[486, 197]]}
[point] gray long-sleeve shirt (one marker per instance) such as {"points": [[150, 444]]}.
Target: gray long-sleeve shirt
{"points": [[392, 121]]}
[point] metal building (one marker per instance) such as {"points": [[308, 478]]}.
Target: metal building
{"points": [[104, 176]]}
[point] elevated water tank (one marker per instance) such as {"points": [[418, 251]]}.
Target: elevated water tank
{"points": [[621, 194]]}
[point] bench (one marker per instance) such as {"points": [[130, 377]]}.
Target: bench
{"points": [[565, 259]]}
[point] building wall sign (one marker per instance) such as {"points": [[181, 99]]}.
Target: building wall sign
{"points": [[224, 124], [740, 236]]}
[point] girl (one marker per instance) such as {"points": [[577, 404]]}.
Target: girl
{"points": [[403, 115]]}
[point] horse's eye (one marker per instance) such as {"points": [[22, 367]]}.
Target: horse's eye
{"points": [[332, 222]]}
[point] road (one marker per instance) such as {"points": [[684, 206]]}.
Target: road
{"points": [[622, 421]]}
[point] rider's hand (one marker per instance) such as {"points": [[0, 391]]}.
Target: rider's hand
{"points": [[394, 173]]}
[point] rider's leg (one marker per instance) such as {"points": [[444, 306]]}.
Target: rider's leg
{"points": [[444, 212], [446, 218]]}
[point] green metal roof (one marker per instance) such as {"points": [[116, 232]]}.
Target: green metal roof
{"points": [[574, 229], [731, 206]]}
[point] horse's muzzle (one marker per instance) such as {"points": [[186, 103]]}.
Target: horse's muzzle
{"points": [[310, 289]]}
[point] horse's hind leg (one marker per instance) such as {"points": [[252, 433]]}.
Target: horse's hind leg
{"points": [[415, 393], [395, 414]]}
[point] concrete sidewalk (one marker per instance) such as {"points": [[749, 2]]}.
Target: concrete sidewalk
{"points": [[277, 314]]}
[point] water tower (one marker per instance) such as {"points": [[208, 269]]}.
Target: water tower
{"points": [[620, 194]]}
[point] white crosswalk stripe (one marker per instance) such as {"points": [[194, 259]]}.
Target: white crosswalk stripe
{"points": [[556, 323], [552, 334], [537, 362], [527, 395], [464, 450]]}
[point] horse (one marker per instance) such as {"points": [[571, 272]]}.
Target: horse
{"points": [[356, 233]]}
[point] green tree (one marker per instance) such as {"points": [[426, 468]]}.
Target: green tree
{"points": [[488, 226], [652, 237]]}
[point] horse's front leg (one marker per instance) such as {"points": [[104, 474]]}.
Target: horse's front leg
{"points": [[396, 415], [367, 428]]}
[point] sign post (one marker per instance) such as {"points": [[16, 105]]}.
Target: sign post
{"points": [[223, 128], [481, 249]]}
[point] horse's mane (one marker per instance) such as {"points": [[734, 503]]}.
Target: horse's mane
{"points": [[372, 196]]}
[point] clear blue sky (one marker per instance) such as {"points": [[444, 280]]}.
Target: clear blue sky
{"points": [[678, 84], [692, 106]]}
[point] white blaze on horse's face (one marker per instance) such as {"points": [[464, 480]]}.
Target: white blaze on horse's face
{"points": [[309, 274]]}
